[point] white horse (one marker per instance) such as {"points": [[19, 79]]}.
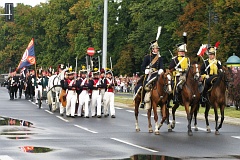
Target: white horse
{"points": [[54, 86]]}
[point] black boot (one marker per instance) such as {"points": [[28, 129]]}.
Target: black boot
{"points": [[141, 105]]}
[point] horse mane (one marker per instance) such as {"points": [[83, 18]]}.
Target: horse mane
{"points": [[219, 78]]}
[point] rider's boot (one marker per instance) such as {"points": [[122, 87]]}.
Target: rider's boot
{"points": [[142, 104]]}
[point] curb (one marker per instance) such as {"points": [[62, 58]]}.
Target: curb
{"points": [[227, 120]]}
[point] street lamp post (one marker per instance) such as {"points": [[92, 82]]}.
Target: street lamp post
{"points": [[104, 53], [215, 20]]}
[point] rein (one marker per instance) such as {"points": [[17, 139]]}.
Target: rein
{"points": [[156, 86]]}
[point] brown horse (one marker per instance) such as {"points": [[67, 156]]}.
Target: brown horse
{"points": [[189, 96], [216, 97], [159, 96]]}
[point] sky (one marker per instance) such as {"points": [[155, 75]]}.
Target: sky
{"points": [[26, 2]]}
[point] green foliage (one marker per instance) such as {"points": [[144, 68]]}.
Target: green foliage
{"points": [[64, 29]]}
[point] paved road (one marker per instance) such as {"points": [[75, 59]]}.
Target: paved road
{"points": [[105, 138]]}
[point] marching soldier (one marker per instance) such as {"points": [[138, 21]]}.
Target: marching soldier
{"points": [[63, 93], [178, 67], [209, 70], [102, 87], [13, 85], [84, 95], [22, 80], [70, 85], [30, 84], [38, 85], [151, 66], [109, 95], [96, 95], [61, 72]]}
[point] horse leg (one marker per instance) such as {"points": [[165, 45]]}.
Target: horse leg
{"points": [[189, 118], [195, 117], [154, 106], [136, 111], [216, 119], [167, 118], [164, 115], [222, 116], [207, 108], [173, 115], [150, 130]]}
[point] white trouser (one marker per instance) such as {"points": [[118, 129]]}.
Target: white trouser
{"points": [[36, 92], [96, 100], [62, 108], [109, 102], [71, 103], [83, 99]]}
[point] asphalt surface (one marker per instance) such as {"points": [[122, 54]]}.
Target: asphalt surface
{"points": [[105, 138]]}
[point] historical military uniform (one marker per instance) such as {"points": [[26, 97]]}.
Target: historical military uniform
{"points": [[178, 67], [151, 66], [38, 86], [102, 87], [70, 85], [30, 85], [13, 85], [22, 80], [61, 73], [96, 94], [209, 71], [84, 95], [109, 95]]}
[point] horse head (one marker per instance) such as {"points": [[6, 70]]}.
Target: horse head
{"points": [[165, 79], [194, 71], [227, 76]]}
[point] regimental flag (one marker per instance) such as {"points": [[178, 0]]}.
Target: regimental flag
{"points": [[202, 50], [28, 57]]}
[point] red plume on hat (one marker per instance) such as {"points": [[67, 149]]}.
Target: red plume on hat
{"points": [[217, 44]]}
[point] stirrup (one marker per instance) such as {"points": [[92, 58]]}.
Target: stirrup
{"points": [[204, 99]]}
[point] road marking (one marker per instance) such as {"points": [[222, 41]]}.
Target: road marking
{"points": [[145, 115], [238, 137], [86, 129], [49, 111], [134, 145], [118, 108], [131, 111], [5, 157], [65, 120]]}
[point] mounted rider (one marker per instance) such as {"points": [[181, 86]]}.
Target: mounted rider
{"points": [[178, 67], [151, 66], [209, 71]]}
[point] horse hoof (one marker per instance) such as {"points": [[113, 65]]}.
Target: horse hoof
{"points": [[217, 133], [150, 131], [169, 130], [157, 132], [209, 130], [172, 126], [138, 129], [190, 133], [195, 129]]}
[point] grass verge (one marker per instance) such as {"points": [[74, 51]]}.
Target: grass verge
{"points": [[229, 111]]}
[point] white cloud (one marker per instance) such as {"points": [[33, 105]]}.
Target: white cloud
{"points": [[26, 2]]}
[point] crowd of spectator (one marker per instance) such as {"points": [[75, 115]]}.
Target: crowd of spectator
{"points": [[125, 83]]}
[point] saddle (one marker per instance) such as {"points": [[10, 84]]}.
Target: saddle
{"points": [[211, 83]]}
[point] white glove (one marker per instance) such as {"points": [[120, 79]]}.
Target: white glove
{"points": [[146, 71], [160, 71], [207, 76], [169, 77], [220, 70]]}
